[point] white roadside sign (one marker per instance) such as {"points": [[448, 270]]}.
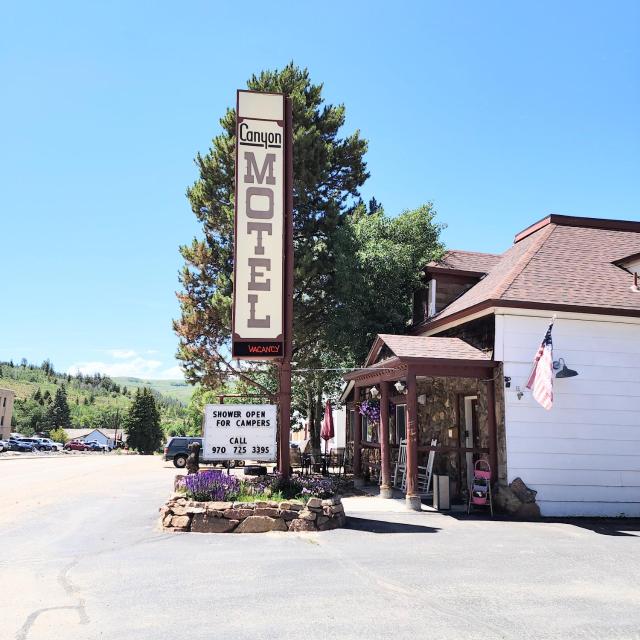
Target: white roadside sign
{"points": [[240, 432]]}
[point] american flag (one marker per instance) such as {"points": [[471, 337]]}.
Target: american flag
{"points": [[541, 378]]}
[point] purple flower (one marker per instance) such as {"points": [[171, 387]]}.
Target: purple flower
{"points": [[211, 485]]}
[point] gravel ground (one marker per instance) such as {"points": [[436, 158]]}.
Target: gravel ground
{"points": [[82, 558]]}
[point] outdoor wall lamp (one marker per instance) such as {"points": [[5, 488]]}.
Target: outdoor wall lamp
{"points": [[422, 399], [564, 371], [374, 392], [400, 387]]}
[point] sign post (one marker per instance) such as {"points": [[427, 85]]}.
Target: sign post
{"points": [[263, 242]]}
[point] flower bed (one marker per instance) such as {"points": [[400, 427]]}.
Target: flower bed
{"points": [[212, 502], [181, 514]]}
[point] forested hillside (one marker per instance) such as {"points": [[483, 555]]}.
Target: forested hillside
{"points": [[95, 401]]}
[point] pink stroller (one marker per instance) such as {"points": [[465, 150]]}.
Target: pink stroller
{"points": [[480, 490]]}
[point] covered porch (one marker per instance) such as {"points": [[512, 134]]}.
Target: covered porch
{"points": [[436, 395]]}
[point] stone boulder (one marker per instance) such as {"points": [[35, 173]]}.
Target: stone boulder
{"points": [[528, 511], [302, 525], [206, 523], [506, 500], [238, 514], [261, 524], [522, 492], [180, 522]]}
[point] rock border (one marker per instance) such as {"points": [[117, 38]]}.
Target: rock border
{"points": [[182, 514]]}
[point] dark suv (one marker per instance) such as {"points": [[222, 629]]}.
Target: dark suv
{"points": [[177, 450]]}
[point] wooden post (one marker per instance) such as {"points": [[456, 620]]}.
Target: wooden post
{"points": [[386, 491], [412, 497], [491, 425], [357, 434]]}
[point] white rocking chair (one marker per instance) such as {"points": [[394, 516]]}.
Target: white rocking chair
{"points": [[424, 473]]}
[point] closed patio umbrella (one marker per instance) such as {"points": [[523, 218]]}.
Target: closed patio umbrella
{"points": [[327, 432]]}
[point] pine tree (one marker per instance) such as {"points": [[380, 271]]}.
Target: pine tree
{"points": [[142, 423], [328, 172], [59, 414]]}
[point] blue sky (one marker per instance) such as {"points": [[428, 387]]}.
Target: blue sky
{"points": [[497, 112]]}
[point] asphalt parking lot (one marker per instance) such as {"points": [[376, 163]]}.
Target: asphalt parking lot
{"points": [[82, 557]]}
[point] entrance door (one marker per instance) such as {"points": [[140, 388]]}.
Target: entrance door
{"points": [[470, 431]]}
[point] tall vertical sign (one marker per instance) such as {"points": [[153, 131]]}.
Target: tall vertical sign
{"points": [[259, 267], [263, 251]]}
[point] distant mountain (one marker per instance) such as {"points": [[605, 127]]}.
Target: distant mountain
{"points": [[177, 389]]}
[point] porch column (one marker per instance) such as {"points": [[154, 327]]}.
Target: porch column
{"points": [[386, 490], [491, 427], [412, 497], [357, 434]]}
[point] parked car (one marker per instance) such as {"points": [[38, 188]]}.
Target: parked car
{"points": [[4, 446], [22, 445], [177, 451], [37, 445], [76, 445], [49, 444], [98, 446], [46, 444]]}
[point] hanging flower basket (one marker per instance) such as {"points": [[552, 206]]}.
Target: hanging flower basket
{"points": [[370, 409]]}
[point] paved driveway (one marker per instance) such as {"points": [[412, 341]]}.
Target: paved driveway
{"points": [[81, 558]]}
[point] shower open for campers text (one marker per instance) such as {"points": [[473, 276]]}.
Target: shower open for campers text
{"points": [[240, 432]]}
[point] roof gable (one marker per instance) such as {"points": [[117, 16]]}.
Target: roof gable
{"points": [[557, 262]]}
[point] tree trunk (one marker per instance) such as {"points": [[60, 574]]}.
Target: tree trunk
{"points": [[310, 413]]}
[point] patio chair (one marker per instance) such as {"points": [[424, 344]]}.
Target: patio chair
{"points": [[425, 473], [336, 459], [401, 466], [295, 458]]}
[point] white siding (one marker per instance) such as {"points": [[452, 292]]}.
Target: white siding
{"points": [[582, 456]]}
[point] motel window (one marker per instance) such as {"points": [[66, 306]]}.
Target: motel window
{"points": [[401, 422]]}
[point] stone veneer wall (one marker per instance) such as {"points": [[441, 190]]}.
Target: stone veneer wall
{"points": [[440, 413], [181, 514]]}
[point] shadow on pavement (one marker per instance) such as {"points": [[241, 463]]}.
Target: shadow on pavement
{"points": [[621, 527], [381, 526]]}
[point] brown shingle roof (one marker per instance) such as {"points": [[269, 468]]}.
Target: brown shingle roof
{"points": [[406, 346], [467, 261], [561, 263]]}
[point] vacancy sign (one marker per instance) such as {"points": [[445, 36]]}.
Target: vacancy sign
{"points": [[240, 432], [258, 282]]}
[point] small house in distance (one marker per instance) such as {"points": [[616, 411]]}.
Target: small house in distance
{"points": [[107, 437], [458, 377]]}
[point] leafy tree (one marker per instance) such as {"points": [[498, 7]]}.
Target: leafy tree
{"points": [[142, 423], [30, 417], [379, 266], [328, 171], [59, 414], [59, 435]]}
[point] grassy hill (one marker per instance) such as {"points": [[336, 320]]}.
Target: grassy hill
{"points": [[94, 401], [177, 389]]}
